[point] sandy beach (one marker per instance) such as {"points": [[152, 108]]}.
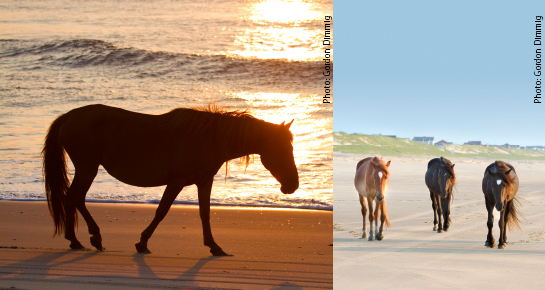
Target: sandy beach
{"points": [[413, 256], [271, 248]]}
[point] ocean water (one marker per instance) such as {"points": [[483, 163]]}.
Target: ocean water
{"points": [[153, 56]]}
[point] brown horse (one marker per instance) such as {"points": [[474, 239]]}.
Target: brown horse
{"points": [[176, 149], [500, 186], [440, 179], [371, 181]]}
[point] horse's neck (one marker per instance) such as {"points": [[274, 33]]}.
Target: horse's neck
{"points": [[247, 143]]}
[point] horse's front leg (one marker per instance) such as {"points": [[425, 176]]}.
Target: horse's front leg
{"points": [[434, 206], [382, 218], [501, 223], [205, 189], [490, 224], [446, 212], [170, 194], [371, 218], [439, 212]]}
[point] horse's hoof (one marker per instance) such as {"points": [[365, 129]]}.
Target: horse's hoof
{"points": [[76, 246], [434, 228], [218, 252], [371, 238], [445, 229], [439, 230], [380, 237], [490, 245], [364, 236], [143, 249], [97, 243], [502, 246]]}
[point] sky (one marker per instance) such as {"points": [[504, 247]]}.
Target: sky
{"points": [[459, 70]]}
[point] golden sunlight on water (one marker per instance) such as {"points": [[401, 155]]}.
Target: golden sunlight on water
{"points": [[279, 34]]}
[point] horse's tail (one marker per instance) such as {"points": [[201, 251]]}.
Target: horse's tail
{"points": [[513, 220], [385, 213], [55, 173]]}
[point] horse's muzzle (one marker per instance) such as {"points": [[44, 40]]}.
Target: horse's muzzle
{"points": [[289, 189]]}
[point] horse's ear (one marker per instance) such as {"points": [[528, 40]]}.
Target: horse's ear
{"points": [[288, 125], [388, 164], [282, 124], [373, 162], [490, 171], [508, 171], [453, 165]]}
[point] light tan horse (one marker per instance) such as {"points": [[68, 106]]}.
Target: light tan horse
{"points": [[371, 181]]}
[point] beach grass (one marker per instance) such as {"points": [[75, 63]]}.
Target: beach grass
{"points": [[387, 146]]}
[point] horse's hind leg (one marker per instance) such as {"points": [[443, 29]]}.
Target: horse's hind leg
{"points": [[490, 224], [506, 209], [77, 191], [434, 207], [170, 194], [363, 213], [377, 207], [94, 230], [371, 218]]}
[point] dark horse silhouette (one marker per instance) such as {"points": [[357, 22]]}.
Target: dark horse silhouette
{"points": [[440, 179], [500, 186], [176, 149]]}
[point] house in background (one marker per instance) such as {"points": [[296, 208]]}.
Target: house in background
{"points": [[442, 143], [391, 136], [509, 146], [473, 143], [535, 148], [424, 140]]}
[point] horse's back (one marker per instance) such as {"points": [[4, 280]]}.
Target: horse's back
{"points": [[129, 145]]}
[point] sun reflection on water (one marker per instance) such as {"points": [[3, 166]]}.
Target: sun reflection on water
{"points": [[281, 31]]}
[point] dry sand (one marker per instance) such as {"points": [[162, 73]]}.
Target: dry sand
{"points": [[413, 256], [272, 249]]}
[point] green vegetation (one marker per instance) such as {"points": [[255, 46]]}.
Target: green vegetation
{"points": [[387, 146]]}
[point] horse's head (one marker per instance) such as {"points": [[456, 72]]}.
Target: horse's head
{"points": [[445, 173], [381, 177], [499, 185], [277, 156]]}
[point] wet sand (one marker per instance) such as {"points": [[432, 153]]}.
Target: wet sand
{"points": [[413, 256], [271, 249]]}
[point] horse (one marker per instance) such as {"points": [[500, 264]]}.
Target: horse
{"points": [[500, 186], [182, 147], [440, 179], [371, 182]]}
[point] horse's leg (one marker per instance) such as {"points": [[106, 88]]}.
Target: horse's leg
{"points": [[94, 230], [382, 219], [363, 213], [434, 207], [506, 209], [446, 212], [439, 212], [83, 179], [490, 224], [205, 189], [170, 194], [501, 223], [377, 207], [371, 217]]}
